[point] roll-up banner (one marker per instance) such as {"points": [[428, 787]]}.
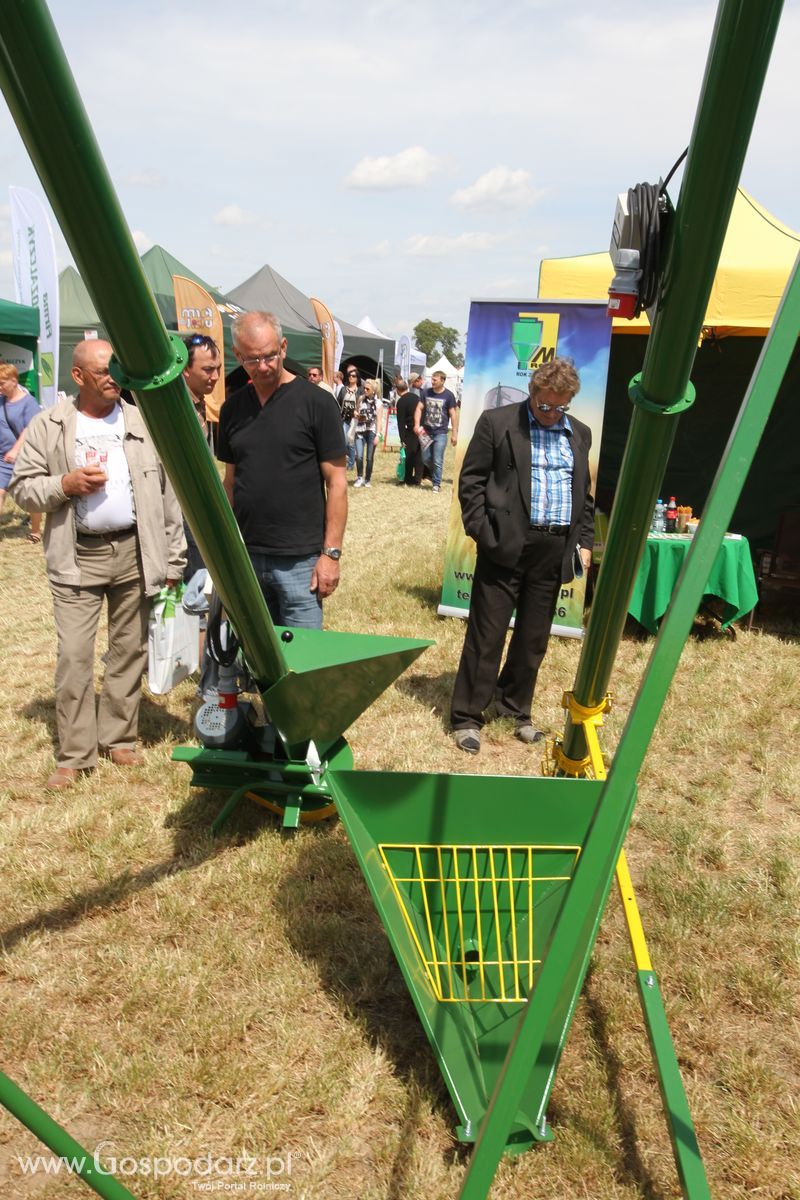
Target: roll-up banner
{"points": [[506, 342], [36, 280], [197, 312]]}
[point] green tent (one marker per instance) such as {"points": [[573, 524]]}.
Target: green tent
{"points": [[269, 291], [19, 341], [159, 267], [78, 316]]}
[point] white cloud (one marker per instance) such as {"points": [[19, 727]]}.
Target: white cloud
{"points": [[498, 188], [411, 168], [141, 240], [381, 249], [435, 245], [232, 214], [146, 179]]}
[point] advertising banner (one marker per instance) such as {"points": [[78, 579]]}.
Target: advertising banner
{"points": [[402, 349], [36, 280], [328, 333], [506, 342], [197, 312]]}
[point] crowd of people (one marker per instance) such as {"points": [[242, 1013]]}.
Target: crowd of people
{"points": [[424, 419], [115, 534]]}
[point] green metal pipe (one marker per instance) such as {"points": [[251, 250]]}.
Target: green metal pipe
{"points": [[41, 93], [56, 1138], [742, 42], [573, 937]]}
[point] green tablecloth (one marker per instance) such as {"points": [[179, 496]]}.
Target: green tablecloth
{"points": [[732, 579]]}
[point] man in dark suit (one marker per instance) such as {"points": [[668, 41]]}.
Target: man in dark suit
{"points": [[524, 493]]}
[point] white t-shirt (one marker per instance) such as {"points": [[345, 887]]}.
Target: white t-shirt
{"points": [[99, 440]]}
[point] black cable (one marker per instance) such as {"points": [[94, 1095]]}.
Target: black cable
{"points": [[648, 208], [672, 171], [644, 209], [224, 655]]}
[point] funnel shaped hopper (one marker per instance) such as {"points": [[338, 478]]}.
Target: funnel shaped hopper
{"points": [[469, 875], [332, 679]]}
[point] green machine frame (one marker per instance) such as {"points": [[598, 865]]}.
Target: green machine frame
{"points": [[491, 889]]}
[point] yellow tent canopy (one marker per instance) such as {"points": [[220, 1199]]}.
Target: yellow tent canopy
{"points": [[757, 255]]}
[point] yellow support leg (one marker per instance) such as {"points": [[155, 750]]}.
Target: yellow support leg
{"points": [[694, 1184]]}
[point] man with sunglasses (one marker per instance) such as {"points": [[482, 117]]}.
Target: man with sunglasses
{"points": [[525, 501], [281, 440], [202, 371]]}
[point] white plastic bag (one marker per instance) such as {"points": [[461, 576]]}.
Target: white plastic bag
{"points": [[173, 642]]}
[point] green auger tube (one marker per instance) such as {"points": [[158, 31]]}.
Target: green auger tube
{"points": [[742, 42], [56, 1138], [311, 700]]}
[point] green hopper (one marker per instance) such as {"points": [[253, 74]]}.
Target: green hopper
{"points": [[469, 874]]}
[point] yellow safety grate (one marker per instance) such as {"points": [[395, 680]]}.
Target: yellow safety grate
{"points": [[471, 911]]}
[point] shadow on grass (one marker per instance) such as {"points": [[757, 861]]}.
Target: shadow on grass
{"points": [[434, 692], [155, 723], [631, 1166], [330, 920], [193, 845], [429, 597]]}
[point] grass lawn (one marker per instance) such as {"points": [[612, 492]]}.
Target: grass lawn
{"points": [[173, 995]]}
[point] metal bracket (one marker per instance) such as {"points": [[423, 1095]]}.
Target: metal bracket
{"points": [[172, 371], [640, 398]]}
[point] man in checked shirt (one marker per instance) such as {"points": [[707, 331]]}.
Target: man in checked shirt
{"points": [[524, 494]]}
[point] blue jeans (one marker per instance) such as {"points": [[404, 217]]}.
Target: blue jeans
{"points": [[365, 452], [285, 582], [433, 457], [351, 448]]}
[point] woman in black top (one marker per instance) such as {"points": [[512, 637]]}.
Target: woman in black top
{"points": [[366, 431], [349, 397]]}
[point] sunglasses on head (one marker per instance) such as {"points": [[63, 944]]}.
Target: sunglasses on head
{"points": [[202, 339]]}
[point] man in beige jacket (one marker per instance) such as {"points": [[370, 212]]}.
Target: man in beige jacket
{"points": [[113, 531]]}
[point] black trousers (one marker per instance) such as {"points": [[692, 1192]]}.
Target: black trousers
{"points": [[532, 588], [413, 459]]}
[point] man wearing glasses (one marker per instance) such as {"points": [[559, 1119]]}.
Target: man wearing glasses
{"points": [[282, 442], [113, 533], [524, 494]]}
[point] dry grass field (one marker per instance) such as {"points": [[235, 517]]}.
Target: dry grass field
{"points": [[173, 995]]}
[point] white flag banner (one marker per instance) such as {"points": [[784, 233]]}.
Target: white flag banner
{"points": [[403, 355], [338, 346], [36, 279]]}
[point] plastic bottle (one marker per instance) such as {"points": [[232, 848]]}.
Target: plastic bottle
{"points": [[672, 515], [659, 518]]}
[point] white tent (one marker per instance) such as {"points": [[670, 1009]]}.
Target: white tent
{"points": [[452, 374], [417, 359]]}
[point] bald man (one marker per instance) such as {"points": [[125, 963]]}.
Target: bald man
{"points": [[281, 440], [113, 532]]}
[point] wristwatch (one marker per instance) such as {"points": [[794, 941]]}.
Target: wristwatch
{"points": [[332, 552]]}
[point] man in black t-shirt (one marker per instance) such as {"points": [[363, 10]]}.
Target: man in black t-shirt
{"points": [[282, 442], [407, 402]]}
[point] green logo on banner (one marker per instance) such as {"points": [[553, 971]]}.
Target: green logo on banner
{"points": [[48, 370]]}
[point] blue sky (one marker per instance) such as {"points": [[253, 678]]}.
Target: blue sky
{"points": [[391, 158]]}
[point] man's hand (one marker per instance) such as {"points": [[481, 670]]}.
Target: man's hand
{"points": [[586, 558], [83, 481], [324, 577], [173, 583], [10, 456]]}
